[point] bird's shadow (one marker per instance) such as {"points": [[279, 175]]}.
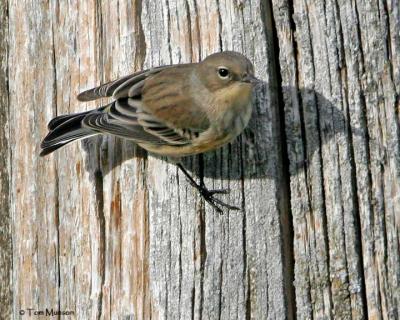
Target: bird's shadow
{"points": [[288, 126]]}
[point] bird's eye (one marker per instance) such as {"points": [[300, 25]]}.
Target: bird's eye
{"points": [[223, 72]]}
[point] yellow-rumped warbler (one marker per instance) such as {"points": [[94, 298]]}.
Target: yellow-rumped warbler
{"points": [[175, 110]]}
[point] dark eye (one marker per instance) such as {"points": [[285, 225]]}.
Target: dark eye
{"points": [[223, 72]]}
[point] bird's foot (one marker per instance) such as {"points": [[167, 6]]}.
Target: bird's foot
{"points": [[208, 195], [216, 203]]}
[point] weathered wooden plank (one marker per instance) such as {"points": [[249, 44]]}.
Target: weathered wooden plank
{"points": [[126, 284], [32, 189], [310, 247], [112, 221], [342, 62], [381, 102], [76, 46], [5, 217], [202, 265]]}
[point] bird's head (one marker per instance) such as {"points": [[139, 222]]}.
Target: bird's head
{"points": [[224, 69]]}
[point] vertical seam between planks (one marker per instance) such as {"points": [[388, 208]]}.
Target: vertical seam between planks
{"points": [[287, 231], [56, 182]]}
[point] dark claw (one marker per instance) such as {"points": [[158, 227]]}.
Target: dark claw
{"points": [[208, 196], [219, 191]]}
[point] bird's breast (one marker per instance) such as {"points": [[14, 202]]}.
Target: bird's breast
{"points": [[225, 129], [234, 111]]}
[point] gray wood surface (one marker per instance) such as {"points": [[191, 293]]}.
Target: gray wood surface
{"points": [[5, 218], [339, 64], [106, 231]]}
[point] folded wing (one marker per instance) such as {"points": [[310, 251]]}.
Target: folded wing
{"points": [[153, 106], [126, 118]]}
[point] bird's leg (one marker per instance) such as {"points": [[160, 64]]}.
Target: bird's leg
{"points": [[208, 195]]}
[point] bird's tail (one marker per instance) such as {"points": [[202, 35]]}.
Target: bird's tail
{"points": [[64, 129]]}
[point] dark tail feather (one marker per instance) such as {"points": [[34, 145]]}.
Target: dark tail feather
{"points": [[54, 123], [64, 129]]}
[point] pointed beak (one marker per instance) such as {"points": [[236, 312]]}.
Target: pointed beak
{"points": [[250, 79]]}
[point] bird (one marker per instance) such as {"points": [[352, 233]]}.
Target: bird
{"points": [[174, 110]]}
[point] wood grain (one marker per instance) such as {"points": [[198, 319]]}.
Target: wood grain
{"points": [[340, 99], [6, 252], [106, 231]]}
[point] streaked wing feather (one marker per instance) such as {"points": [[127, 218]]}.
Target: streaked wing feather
{"points": [[135, 84], [103, 123], [104, 90], [128, 125], [119, 85], [116, 111]]}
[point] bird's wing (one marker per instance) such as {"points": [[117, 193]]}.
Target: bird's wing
{"points": [[126, 119], [109, 88], [153, 106], [170, 97]]}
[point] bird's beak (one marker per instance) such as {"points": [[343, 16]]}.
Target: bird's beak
{"points": [[250, 79]]}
